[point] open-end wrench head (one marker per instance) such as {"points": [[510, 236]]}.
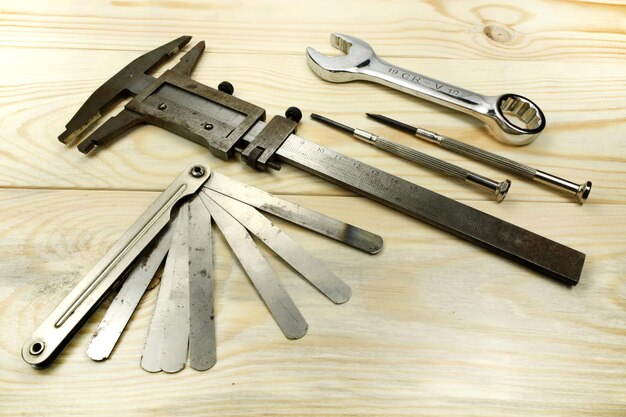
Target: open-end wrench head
{"points": [[129, 80], [343, 68]]}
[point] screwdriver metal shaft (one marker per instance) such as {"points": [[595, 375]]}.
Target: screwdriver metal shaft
{"points": [[580, 191], [499, 189]]}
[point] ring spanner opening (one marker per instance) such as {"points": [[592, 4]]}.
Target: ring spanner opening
{"points": [[521, 113]]}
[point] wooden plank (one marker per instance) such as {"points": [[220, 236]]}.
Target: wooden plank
{"points": [[435, 326], [476, 29], [582, 141]]}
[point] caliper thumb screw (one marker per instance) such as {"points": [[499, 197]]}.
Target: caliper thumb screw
{"points": [[226, 87], [293, 113]]}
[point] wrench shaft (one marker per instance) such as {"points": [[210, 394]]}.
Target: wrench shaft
{"points": [[427, 88]]}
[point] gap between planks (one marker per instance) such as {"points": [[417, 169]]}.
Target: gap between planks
{"points": [[320, 195]]}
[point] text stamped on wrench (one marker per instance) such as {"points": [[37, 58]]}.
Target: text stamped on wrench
{"points": [[427, 82], [512, 118]]}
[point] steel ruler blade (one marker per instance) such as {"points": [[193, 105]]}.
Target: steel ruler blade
{"points": [[520, 245]]}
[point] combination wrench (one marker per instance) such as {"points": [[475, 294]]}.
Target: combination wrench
{"points": [[513, 119]]}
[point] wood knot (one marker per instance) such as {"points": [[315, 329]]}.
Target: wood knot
{"points": [[499, 33]]}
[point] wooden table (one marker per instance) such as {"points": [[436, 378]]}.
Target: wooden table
{"points": [[435, 326]]}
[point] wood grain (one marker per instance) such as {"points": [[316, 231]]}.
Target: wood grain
{"points": [[476, 29], [582, 138], [435, 326]]}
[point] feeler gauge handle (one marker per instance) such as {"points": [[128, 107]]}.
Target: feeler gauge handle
{"points": [[67, 318]]}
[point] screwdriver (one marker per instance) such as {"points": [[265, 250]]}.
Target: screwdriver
{"points": [[580, 191], [499, 189]]}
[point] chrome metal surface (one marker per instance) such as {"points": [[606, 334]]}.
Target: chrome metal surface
{"points": [[580, 191], [513, 119], [73, 311], [168, 335], [269, 287], [125, 302], [289, 250]]}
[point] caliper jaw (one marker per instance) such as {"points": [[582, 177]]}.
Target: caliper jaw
{"points": [[127, 119], [211, 117], [128, 81]]}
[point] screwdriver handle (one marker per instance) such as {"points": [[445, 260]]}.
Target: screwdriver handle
{"points": [[499, 189], [581, 191], [476, 153]]}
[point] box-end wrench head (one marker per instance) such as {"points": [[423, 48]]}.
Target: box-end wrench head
{"points": [[513, 119]]}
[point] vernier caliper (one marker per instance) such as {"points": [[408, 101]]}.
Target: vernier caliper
{"points": [[225, 124]]}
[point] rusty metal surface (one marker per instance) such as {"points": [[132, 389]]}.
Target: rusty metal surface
{"points": [[225, 124], [128, 81], [259, 153]]}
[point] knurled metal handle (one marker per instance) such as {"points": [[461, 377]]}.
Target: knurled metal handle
{"points": [[580, 191], [477, 153], [498, 188]]}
